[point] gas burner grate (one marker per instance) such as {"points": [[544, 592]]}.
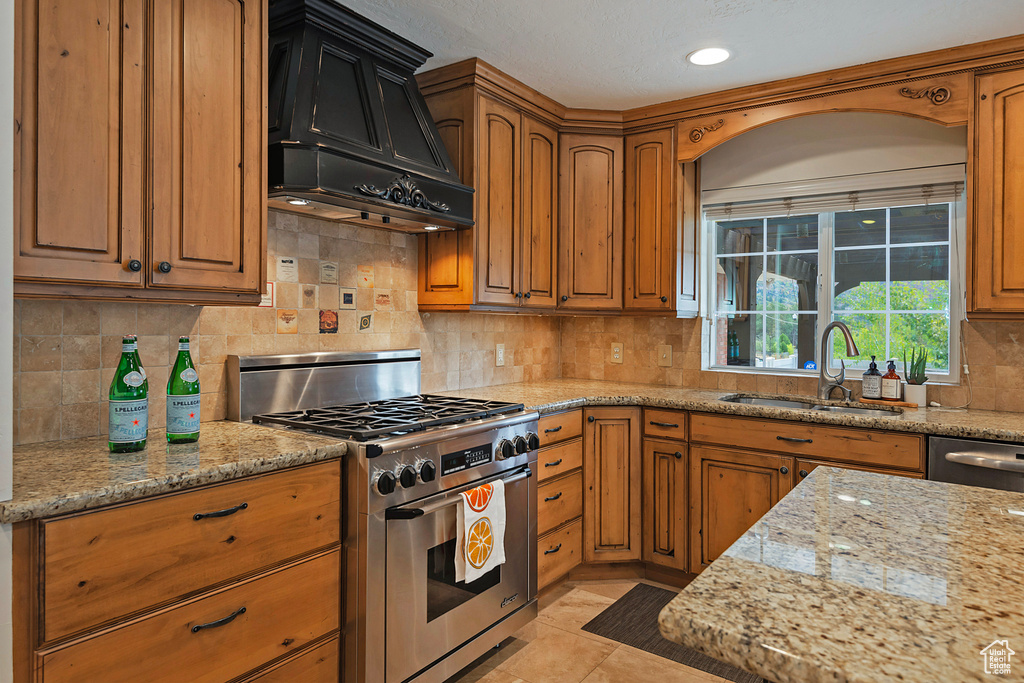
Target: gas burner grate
{"points": [[389, 417]]}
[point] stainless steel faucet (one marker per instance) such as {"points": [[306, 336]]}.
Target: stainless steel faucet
{"points": [[826, 381]]}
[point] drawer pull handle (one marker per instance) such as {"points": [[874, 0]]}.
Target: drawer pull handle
{"points": [[679, 456], [553, 550], [220, 513], [803, 473], [794, 440], [553, 464], [590, 418], [553, 430], [554, 497], [784, 469], [665, 424], [220, 622]]}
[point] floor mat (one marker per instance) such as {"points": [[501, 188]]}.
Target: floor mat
{"points": [[633, 620]]}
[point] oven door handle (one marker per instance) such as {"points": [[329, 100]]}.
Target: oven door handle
{"points": [[413, 513]]}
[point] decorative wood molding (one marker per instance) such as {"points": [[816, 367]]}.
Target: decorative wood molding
{"points": [[697, 134], [403, 190], [939, 95]]}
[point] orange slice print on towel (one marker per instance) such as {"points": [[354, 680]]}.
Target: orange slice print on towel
{"points": [[480, 543], [479, 497]]}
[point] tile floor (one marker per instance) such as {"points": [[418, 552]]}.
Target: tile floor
{"points": [[553, 648]]}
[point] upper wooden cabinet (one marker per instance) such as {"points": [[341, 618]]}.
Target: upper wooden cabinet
{"points": [[507, 259], [997, 278], [590, 222], [650, 221], [116, 199], [611, 483]]}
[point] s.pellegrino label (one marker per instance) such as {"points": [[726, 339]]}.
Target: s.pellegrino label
{"points": [[129, 402], [183, 398]]}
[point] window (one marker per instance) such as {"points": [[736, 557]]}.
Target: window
{"points": [[882, 260]]}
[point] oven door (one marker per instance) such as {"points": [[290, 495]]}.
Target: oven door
{"points": [[428, 613]]}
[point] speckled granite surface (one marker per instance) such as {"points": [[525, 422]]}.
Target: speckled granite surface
{"points": [[856, 576], [65, 476], [560, 394]]}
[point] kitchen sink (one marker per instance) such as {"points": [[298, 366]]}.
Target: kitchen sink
{"points": [[812, 404]]}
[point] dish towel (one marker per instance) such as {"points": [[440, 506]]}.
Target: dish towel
{"points": [[480, 531]]}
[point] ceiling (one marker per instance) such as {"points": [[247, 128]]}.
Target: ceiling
{"points": [[617, 54]]}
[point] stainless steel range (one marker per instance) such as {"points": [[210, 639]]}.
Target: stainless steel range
{"points": [[406, 617]]}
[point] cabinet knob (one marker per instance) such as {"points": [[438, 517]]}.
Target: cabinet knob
{"points": [[164, 267], [803, 473], [565, 298], [679, 456], [519, 295], [135, 265], [664, 299], [590, 418], [784, 469], [526, 296]]}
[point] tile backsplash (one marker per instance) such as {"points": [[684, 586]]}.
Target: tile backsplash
{"points": [[65, 353]]}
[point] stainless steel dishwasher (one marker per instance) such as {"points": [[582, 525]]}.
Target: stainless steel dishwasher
{"points": [[991, 464]]}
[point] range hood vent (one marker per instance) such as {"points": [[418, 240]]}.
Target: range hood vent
{"points": [[351, 139]]}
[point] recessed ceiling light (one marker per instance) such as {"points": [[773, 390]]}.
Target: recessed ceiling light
{"points": [[708, 56], [297, 202]]}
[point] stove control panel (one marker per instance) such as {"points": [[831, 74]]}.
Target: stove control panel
{"points": [[464, 459]]}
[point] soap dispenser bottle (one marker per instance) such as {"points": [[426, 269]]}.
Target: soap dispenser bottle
{"points": [[872, 382], [891, 383]]}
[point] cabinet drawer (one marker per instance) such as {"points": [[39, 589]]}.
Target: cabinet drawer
{"points": [[859, 446], [560, 427], [665, 424], [804, 467], [556, 460], [558, 553], [105, 564], [319, 665], [558, 501], [284, 611]]}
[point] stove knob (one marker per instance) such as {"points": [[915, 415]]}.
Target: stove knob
{"points": [[427, 471], [533, 441], [385, 483], [407, 477], [504, 450], [521, 445]]}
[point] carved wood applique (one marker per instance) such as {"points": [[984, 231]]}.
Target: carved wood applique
{"points": [[698, 133], [938, 95]]}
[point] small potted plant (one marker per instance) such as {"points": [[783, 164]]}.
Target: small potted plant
{"points": [[915, 391]]}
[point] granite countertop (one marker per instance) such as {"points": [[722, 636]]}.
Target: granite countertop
{"points": [[561, 394], [65, 476], [856, 576]]}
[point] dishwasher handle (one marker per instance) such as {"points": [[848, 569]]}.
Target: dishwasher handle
{"points": [[977, 460]]}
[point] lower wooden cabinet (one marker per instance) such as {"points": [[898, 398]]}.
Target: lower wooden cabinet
{"points": [[558, 553], [730, 490], [319, 664], [559, 501], [611, 475], [665, 504], [559, 496], [804, 467]]}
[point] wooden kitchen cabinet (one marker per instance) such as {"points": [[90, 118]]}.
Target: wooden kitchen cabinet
{"points": [[611, 480], [804, 467], [591, 222], [730, 490], [508, 258], [665, 503], [559, 495], [650, 221], [106, 188], [996, 281]]}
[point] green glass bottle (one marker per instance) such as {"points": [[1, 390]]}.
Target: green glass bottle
{"points": [[183, 398], [129, 404], [138, 361]]}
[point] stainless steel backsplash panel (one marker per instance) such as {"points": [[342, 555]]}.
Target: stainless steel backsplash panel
{"points": [[268, 384]]}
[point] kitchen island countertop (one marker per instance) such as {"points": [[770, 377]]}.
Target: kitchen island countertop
{"points": [[67, 476], [549, 396], [856, 576]]}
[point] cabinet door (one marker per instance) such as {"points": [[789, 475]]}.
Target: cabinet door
{"points": [[78, 171], [611, 472], [540, 211], [208, 138], [688, 281], [729, 491], [650, 221], [590, 224], [997, 279], [498, 203], [665, 492]]}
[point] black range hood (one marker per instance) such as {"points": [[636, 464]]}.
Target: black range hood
{"points": [[350, 136]]}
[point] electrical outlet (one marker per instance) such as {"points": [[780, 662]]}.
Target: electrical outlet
{"points": [[499, 355], [665, 355], [617, 352]]}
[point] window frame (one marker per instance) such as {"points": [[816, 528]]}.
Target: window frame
{"points": [[881, 191]]}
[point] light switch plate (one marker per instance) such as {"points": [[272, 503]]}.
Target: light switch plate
{"points": [[664, 355], [617, 352], [499, 355]]}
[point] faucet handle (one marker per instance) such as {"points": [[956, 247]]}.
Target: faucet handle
{"points": [[841, 377]]}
